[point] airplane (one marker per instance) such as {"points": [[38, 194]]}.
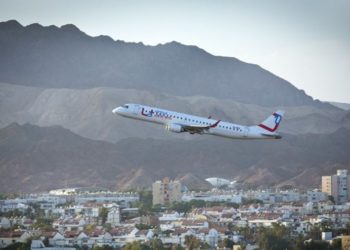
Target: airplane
{"points": [[179, 122]]}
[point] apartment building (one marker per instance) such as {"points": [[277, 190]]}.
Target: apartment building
{"points": [[337, 186], [166, 191]]}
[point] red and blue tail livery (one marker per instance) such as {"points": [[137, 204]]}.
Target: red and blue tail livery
{"points": [[180, 122], [272, 122]]}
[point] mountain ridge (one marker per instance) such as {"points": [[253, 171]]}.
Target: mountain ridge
{"points": [[53, 57], [38, 159], [341, 105]]}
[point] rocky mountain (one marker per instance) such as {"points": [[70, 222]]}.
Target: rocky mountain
{"points": [[65, 57], [88, 113], [341, 105], [35, 158]]}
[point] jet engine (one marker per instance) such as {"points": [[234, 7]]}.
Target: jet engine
{"points": [[174, 128]]}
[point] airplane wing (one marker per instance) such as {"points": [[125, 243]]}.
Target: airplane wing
{"points": [[197, 129]]}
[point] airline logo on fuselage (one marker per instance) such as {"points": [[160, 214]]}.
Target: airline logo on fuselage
{"points": [[155, 113], [148, 114]]}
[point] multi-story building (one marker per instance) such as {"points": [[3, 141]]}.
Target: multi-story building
{"points": [[316, 196], [337, 186], [166, 191], [113, 215]]}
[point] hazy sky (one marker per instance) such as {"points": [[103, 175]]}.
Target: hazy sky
{"points": [[306, 42]]}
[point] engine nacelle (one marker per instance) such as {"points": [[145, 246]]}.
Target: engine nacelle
{"points": [[174, 128]]}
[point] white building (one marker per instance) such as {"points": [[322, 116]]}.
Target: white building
{"points": [[342, 186], [113, 216], [290, 196], [228, 197], [337, 186], [316, 196], [5, 223], [218, 182]]}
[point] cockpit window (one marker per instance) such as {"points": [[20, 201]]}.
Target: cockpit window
{"points": [[126, 106]]}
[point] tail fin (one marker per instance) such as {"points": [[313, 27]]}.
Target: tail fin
{"points": [[272, 122]]}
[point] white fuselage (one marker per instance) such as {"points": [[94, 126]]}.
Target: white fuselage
{"points": [[180, 122]]}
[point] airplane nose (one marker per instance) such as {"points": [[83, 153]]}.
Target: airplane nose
{"points": [[116, 110]]}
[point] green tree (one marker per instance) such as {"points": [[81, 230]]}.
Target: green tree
{"points": [[17, 246], [177, 247], [232, 204], [136, 245], [204, 245], [46, 241], [13, 213], [3, 197], [83, 247], [299, 242], [43, 223], [226, 243], [331, 198], [17, 226], [231, 227], [326, 226], [197, 203], [251, 201], [89, 228], [29, 212], [347, 229], [20, 245], [311, 245], [336, 244], [315, 232], [157, 208], [192, 242], [37, 211], [269, 241], [156, 244], [247, 233], [167, 232], [103, 214], [181, 207], [274, 238], [104, 247], [107, 227], [343, 231], [145, 203], [143, 226]]}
